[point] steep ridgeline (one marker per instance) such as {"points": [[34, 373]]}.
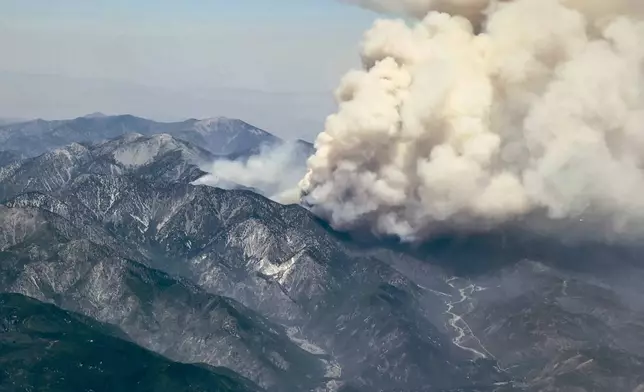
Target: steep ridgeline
{"points": [[220, 136], [45, 348], [271, 292], [150, 159]]}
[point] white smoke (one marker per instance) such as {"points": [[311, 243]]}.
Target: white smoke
{"points": [[538, 114], [274, 172]]}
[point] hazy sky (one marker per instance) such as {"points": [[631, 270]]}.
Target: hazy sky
{"points": [[271, 62]]}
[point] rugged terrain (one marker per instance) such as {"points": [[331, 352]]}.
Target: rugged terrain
{"points": [[115, 231], [44, 348]]}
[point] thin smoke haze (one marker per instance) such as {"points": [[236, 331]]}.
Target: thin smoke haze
{"points": [[274, 172]]}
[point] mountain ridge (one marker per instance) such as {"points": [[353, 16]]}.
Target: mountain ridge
{"points": [[219, 135]]}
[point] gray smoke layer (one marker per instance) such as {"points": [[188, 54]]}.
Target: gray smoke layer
{"points": [[535, 115], [476, 10], [274, 172], [472, 9]]}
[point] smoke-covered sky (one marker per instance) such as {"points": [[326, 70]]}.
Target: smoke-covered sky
{"points": [[271, 62], [489, 113]]}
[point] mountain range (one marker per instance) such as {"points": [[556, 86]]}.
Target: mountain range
{"points": [[221, 136], [107, 240]]}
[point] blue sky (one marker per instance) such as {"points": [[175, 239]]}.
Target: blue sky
{"points": [[190, 11], [98, 54]]}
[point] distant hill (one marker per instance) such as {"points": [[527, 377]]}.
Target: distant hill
{"points": [[220, 135], [4, 121]]}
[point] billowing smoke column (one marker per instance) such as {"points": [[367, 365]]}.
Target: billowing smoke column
{"points": [[494, 112]]}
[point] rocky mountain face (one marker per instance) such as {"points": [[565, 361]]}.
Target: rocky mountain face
{"points": [[220, 136], [54, 255], [45, 348], [116, 232], [150, 158]]}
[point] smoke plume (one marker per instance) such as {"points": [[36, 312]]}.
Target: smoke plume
{"points": [[485, 113], [274, 172]]}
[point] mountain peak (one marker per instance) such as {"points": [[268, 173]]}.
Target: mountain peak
{"points": [[216, 120], [221, 124], [134, 150], [69, 151], [95, 115]]}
